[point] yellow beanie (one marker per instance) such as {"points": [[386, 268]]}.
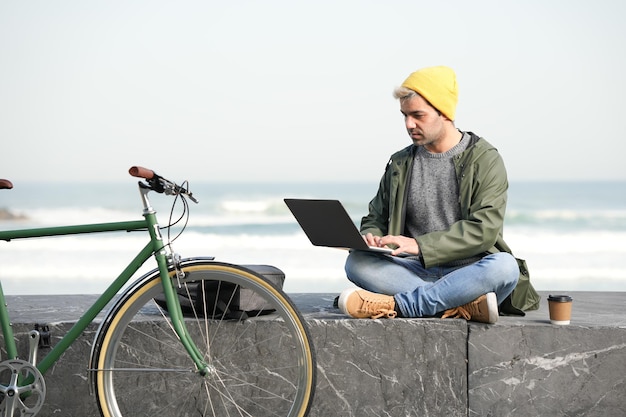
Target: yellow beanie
{"points": [[438, 86]]}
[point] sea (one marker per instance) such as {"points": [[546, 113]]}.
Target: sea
{"points": [[572, 234]]}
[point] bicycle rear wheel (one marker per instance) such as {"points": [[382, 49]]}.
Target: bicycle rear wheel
{"points": [[260, 365]]}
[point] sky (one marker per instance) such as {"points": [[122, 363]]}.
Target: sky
{"points": [[300, 91]]}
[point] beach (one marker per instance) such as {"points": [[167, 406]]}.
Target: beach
{"points": [[572, 234]]}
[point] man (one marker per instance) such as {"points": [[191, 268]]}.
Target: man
{"points": [[440, 205]]}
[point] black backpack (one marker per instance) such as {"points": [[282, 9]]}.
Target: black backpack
{"points": [[225, 300]]}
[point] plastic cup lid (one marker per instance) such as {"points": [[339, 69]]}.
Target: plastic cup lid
{"points": [[560, 298]]}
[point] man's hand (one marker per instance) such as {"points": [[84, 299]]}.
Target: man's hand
{"points": [[404, 244]]}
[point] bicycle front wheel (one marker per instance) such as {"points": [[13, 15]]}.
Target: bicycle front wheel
{"points": [[261, 363]]}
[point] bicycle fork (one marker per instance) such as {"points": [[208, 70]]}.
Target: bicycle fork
{"points": [[175, 310], [164, 260]]}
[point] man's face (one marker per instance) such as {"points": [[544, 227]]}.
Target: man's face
{"points": [[423, 122]]}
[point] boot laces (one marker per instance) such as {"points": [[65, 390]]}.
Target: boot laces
{"points": [[466, 311], [377, 309]]}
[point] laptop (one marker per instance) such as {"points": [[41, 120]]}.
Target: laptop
{"points": [[326, 223]]}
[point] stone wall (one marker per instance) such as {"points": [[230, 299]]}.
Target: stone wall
{"points": [[415, 367]]}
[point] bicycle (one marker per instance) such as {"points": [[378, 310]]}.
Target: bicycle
{"points": [[167, 345]]}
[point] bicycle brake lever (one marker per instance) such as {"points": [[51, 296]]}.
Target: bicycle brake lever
{"points": [[161, 185], [191, 197], [182, 190]]}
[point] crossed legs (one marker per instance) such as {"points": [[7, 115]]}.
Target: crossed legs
{"points": [[424, 292]]}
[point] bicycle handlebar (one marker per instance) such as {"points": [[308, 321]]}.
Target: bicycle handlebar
{"points": [[5, 184], [141, 172], [158, 183]]}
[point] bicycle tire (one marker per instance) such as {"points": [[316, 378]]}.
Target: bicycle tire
{"points": [[263, 365]]}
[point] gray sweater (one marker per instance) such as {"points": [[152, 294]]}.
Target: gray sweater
{"points": [[433, 194]]}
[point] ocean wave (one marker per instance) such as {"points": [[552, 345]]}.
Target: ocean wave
{"points": [[87, 263], [236, 215], [271, 210], [572, 236], [265, 206], [568, 218], [572, 242]]}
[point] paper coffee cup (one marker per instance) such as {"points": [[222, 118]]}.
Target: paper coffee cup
{"points": [[560, 307]]}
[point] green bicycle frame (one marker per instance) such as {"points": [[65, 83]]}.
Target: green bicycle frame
{"points": [[155, 246]]}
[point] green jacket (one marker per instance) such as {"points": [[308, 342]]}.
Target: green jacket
{"points": [[483, 185]]}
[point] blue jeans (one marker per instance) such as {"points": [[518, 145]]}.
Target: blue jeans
{"points": [[424, 292]]}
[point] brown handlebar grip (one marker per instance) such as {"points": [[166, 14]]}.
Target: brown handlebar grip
{"points": [[141, 172], [5, 185]]}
